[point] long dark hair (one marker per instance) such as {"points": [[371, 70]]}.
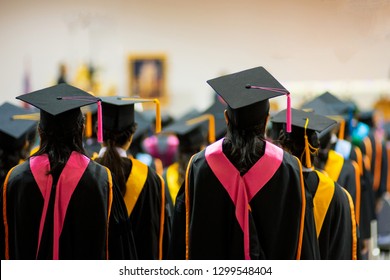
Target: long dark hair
{"points": [[59, 140], [111, 157], [244, 146]]}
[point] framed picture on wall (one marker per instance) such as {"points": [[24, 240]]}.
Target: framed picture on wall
{"points": [[148, 75]]}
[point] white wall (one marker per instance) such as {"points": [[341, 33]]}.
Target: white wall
{"points": [[309, 45]]}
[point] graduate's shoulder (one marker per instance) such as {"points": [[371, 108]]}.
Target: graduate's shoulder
{"points": [[139, 166], [290, 161], [341, 198], [20, 171]]}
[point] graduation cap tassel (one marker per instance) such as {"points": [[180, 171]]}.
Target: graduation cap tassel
{"points": [[342, 129], [158, 109], [307, 152], [211, 119], [279, 90], [99, 111], [88, 125], [211, 129], [30, 117], [288, 116], [100, 122], [307, 147], [158, 115]]}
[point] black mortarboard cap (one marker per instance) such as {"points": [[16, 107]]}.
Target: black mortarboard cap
{"points": [[192, 132], [13, 132], [327, 104], [143, 125], [247, 93], [118, 112], [60, 105], [318, 123], [58, 99], [306, 121], [217, 110]]}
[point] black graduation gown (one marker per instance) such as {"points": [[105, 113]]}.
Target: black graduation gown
{"points": [[171, 178], [86, 223], [377, 154], [92, 147], [144, 199], [334, 217], [310, 246], [367, 206], [345, 173], [275, 217]]}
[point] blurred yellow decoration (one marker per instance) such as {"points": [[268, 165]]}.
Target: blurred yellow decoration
{"points": [[383, 105]]}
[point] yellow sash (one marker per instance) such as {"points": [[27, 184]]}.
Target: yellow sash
{"points": [[34, 150], [110, 199], [94, 156], [333, 165], [135, 184], [322, 199], [353, 221], [173, 180]]}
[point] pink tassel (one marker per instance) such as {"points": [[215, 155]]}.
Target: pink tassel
{"points": [[288, 115], [100, 123]]}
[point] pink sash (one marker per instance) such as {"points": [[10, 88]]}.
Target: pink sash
{"points": [[67, 183], [242, 189]]}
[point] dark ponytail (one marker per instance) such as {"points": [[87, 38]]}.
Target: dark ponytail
{"points": [[111, 158]]}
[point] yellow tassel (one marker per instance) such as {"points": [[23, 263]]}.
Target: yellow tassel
{"points": [[158, 115], [158, 109], [211, 120], [88, 125], [307, 152], [307, 147], [342, 129], [31, 117]]}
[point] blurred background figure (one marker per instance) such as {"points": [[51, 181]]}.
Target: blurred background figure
{"points": [[141, 187], [90, 141], [17, 136], [162, 146], [233, 212], [145, 129], [194, 135], [341, 157], [217, 109], [67, 205], [375, 147], [332, 205], [62, 74]]}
